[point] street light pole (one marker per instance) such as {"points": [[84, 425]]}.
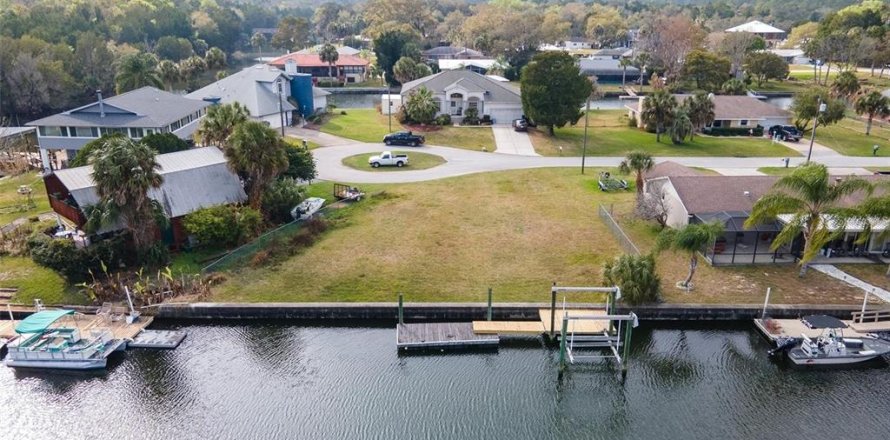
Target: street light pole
{"points": [[586, 124], [388, 102], [280, 105], [821, 109]]}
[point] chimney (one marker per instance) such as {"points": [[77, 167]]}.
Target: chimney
{"points": [[101, 104]]}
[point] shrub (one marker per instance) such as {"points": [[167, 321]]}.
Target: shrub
{"points": [[316, 225], [260, 258], [471, 116], [75, 263], [223, 225], [443, 119], [279, 198], [165, 143], [302, 239], [734, 131], [402, 116], [636, 276], [343, 112], [300, 163]]}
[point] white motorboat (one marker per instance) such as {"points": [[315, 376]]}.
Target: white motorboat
{"points": [[307, 208], [42, 345], [831, 348]]}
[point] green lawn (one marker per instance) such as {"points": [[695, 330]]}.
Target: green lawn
{"points": [[366, 125], [34, 281], [776, 171], [416, 161], [297, 142], [610, 136], [13, 205], [848, 137]]}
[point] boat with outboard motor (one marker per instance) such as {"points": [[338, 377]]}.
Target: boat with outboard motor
{"points": [[43, 344], [307, 208], [831, 348]]}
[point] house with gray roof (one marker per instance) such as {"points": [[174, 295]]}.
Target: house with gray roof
{"points": [[455, 91], [451, 53], [729, 112], [608, 69], [193, 179], [134, 114]]}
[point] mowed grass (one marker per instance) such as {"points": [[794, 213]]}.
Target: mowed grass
{"points": [[609, 135], [875, 274], [13, 205], [367, 125], [848, 137], [416, 161], [33, 281], [449, 240], [776, 171]]}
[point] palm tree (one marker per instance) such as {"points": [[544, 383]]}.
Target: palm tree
{"points": [[168, 71], [810, 199], [681, 126], [658, 109], [421, 105], [257, 41], [124, 171], [135, 71], [845, 85], [328, 54], [734, 86], [219, 123], [623, 63], [258, 153], [637, 162], [215, 58], [690, 238], [191, 67], [700, 109], [872, 104]]}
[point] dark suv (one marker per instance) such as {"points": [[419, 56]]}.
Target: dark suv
{"points": [[785, 132], [403, 138]]}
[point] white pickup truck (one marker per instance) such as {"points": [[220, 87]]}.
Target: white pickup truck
{"points": [[387, 159]]}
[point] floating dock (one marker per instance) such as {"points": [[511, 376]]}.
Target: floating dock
{"points": [[774, 329], [441, 335], [167, 339]]}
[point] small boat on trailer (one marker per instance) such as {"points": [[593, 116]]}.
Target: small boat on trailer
{"points": [[44, 346], [831, 348], [307, 208]]}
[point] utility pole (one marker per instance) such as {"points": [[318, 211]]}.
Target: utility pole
{"points": [[280, 104], [586, 124], [821, 109]]}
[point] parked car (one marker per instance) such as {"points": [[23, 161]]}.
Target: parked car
{"points": [[785, 132], [387, 159], [520, 125], [403, 138]]}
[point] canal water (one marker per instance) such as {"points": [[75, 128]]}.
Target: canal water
{"points": [[271, 381]]}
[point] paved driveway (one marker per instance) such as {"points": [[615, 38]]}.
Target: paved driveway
{"points": [[509, 141]]}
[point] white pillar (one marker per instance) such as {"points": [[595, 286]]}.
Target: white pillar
{"points": [[44, 159]]}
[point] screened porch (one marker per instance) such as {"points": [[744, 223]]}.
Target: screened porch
{"points": [[739, 245]]}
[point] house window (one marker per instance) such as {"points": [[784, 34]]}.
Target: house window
{"points": [[137, 133], [175, 126], [112, 130], [94, 132], [72, 131], [743, 123], [717, 123], [53, 131]]}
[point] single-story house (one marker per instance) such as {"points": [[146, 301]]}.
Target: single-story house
{"points": [[451, 53], [608, 69], [455, 91], [193, 179], [347, 68], [761, 29], [341, 50], [475, 65], [577, 44], [256, 88], [693, 198], [134, 114], [729, 112], [791, 56], [614, 52]]}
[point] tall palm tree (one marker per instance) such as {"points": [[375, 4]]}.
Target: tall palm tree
{"points": [[637, 162], [812, 201], [257, 153], [690, 238], [624, 62], [658, 109], [215, 58], [124, 171], [135, 71], [734, 86], [700, 109], [191, 67], [845, 85], [681, 126], [219, 123], [872, 104], [168, 71], [328, 54], [257, 41]]}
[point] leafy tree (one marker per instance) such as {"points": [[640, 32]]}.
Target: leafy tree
{"points": [[164, 143], [806, 108], [669, 38], [637, 162], [735, 46], [93, 59], [872, 104], [279, 198], [765, 66], [292, 33], [605, 26], [257, 41], [137, 70], [658, 110], [801, 34], [174, 49], [325, 19], [709, 71], [168, 72], [411, 15], [421, 105], [553, 90], [812, 200], [124, 171], [258, 153], [636, 276], [700, 109], [328, 54], [389, 47], [734, 87], [408, 69], [215, 58], [681, 126], [691, 239], [845, 85], [219, 123], [300, 164], [223, 225]]}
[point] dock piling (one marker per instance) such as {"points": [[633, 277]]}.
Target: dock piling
{"points": [[401, 310], [489, 303], [552, 310], [562, 343]]}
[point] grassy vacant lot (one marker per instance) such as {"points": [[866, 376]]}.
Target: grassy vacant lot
{"points": [[416, 161], [367, 125], [609, 135], [12, 204], [876, 274], [848, 137], [449, 240], [738, 284], [34, 281]]}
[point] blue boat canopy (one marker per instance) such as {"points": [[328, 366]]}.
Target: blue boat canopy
{"points": [[39, 321]]}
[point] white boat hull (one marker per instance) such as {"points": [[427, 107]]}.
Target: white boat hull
{"points": [[92, 364], [803, 360]]}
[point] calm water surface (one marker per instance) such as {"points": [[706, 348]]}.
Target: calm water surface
{"points": [[269, 381]]}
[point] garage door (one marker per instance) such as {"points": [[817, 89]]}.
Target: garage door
{"points": [[505, 115]]}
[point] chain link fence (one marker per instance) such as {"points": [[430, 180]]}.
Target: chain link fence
{"points": [[617, 232]]}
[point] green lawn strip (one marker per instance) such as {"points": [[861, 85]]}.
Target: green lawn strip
{"points": [[13, 205], [366, 125], [848, 137], [298, 142], [416, 161], [36, 282], [776, 171]]}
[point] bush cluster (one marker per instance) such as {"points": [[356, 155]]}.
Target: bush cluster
{"points": [[443, 119], [734, 131], [224, 225], [279, 198], [74, 263]]}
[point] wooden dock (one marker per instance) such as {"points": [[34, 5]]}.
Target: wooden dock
{"points": [[794, 328], [167, 339], [119, 328], [581, 327], [444, 335]]}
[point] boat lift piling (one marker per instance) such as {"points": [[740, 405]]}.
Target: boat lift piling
{"points": [[617, 343], [614, 294]]}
